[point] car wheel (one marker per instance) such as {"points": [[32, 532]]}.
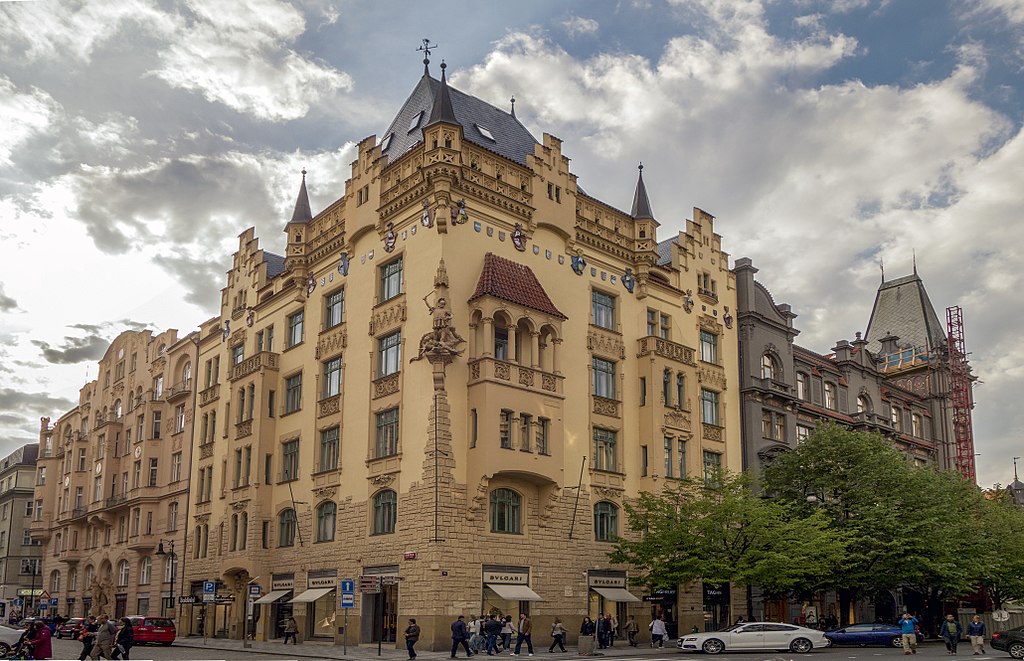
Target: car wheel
{"points": [[713, 646], [166, 644], [897, 641], [801, 646], [1016, 650], [5, 649]]}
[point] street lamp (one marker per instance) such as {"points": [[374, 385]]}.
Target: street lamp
{"points": [[160, 553]]}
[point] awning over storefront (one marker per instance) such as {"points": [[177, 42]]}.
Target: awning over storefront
{"points": [[310, 595], [616, 594], [515, 592], [273, 596]]}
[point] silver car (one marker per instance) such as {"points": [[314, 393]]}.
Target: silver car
{"points": [[8, 639], [755, 636]]}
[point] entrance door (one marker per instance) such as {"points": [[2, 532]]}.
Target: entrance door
{"points": [[385, 614], [279, 612], [120, 606]]}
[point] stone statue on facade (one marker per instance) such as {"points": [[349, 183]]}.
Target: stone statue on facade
{"points": [[441, 344]]}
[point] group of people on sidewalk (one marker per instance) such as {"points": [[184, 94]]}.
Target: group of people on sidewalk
{"points": [[102, 637], [950, 632]]}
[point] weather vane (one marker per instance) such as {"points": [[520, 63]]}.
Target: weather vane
{"points": [[426, 48]]}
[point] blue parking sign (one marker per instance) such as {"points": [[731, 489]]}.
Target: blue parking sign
{"points": [[209, 587], [54, 601]]}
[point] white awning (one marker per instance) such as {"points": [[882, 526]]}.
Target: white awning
{"points": [[271, 597], [310, 595], [515, 592], [616, 594]]}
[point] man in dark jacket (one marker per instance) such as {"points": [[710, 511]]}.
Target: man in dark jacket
{"points": [[976, 630], [604, 631], [492, 627], [412, 634], [460, 636], [950, 633]]}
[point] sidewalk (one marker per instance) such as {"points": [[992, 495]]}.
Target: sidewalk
{"points": [[317, 650]]}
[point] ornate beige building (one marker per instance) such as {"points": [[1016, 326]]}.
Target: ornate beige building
{"points": [[112, 477], [449, 385], [20, 567]]}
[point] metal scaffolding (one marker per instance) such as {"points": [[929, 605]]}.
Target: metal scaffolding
{"points": [[960, 391]]}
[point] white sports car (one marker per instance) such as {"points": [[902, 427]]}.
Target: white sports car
{"points": [[755, 636]]}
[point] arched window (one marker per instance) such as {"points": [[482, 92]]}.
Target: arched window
{"points": [[131, 400], [233, 545], [243, 531], [90, 576], [171, 567], [186, 374], [863, 404], [325, 521], [123, 571], [506, 511], [606, 521], [117, 409], [55, 581], [385, 512], [145, 570], [198, 541], [288, 524], [767, 367], [72, 579]]}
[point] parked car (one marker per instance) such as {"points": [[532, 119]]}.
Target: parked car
{"points": [[153, 629], [755, 636], [1010, 641], [70, 629], [8, 639], [869, 634]]}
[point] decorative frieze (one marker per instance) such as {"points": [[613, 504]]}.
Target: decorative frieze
{"points": [[243, 429], [605, 406], [331, 341], [386, 385], [328, 406], [209, 395], [710, 432], [606, 343], [388, 316], [711, 375]]}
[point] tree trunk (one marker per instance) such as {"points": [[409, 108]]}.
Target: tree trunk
{"points": [[845, 601]]}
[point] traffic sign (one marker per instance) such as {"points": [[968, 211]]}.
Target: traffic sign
{"points": [[18, 601], [369, 584], [43, 605], [187, 599], [348, 585], [1000, 615], [209, 598], [54, 601], [348, 600], [209, 587], [254, 591]]}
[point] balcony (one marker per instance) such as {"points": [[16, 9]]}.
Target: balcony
{"points": [[115, 501], [141, 542], [111, 419], [708, 295], [262, 360], [386, 385], [773, 385], [40, 529], [209, 395], [487, 369], [79, 512], [70, 556], [243, 429], [328, 406], [673, 351], [710, 432], [178, 391], [605, 406]]}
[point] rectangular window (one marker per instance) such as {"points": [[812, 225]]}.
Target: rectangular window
{"points": [[766, 424], [390, 280], [712, 468], [802, 433], [505, 429], [329, 449], [152, 471], [265, 535], [97, 489], [681, 458], [334, 308], [501, 344], [473, 429], [543, 425], [709, 406], [270, 403], [179, 419], [172, 516], [604, 378], [390, 354], [136, 475], [295, 328], [293, 393], [79, 499], [526, 432], [830, 396], [652, 322], [643, 391], [604, 450], [332, 378], [669, 459], [237, 354], [156, 425], [665, 326], [680, 391], [290, 461], [81, 459], [708, 347], [602, 307], [780, 427], [238, 468], [386, 443], [643, 461]]}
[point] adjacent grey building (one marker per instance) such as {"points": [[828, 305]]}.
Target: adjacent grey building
{"points": [[20, 556]]}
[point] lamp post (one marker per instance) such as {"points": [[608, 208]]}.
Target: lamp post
{"points": [[160, 553]]}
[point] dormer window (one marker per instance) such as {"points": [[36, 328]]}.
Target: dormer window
{"points": [[415, 123], [484, 131], [386, 142]]}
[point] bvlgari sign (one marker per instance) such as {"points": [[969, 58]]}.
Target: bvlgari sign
{"points": [[606, 581], [507, 578]]}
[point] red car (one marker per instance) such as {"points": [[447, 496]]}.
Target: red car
{"points": [[70, 629], [152, 629]]}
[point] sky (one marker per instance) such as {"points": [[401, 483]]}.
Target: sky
{"points": [[138, 138]]}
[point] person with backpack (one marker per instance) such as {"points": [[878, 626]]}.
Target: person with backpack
{"points": [[950, 632]]}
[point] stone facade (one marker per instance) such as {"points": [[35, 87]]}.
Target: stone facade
{"points": [[561, 361], [114, 480], [20, 555]]}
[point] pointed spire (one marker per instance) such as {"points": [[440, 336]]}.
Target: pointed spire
{"points": [[513, 100], [914, 253], [641, 205], [442, 110], [302, 213]]}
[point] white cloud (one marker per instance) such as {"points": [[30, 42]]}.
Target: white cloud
{"points": [[23, 114], [576, 26]]}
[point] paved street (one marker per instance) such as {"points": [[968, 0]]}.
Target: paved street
{"points": [[221, 649]]}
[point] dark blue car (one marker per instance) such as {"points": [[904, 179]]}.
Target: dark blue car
{"points": [[868, 634]]}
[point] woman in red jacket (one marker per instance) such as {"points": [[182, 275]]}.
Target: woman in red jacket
{"points": [[39, 638]]}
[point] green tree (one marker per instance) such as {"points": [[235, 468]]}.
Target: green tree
{"points": [[1001, 567], [725, 533]]}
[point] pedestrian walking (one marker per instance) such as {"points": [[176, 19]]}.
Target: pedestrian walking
{"points": [[976, 631], [506, 633], [615, 630], [950, 632], [39, 641], [632, 629], [124, 639], [460, 636], [475, 639], [908, 628], [492, 628], [604, 631], [412, 634], [557, 635], [525, 633], [291, 630], [104, 642], [87, 636], [658, 631]]}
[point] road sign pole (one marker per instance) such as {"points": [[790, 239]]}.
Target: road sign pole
{"points": [[345, 648]]}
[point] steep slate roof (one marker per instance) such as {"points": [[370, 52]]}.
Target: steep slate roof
{"points": [[665, 251], [275, 263], [641, 205], [513, 282], [902, 308], [302, 213], [511, 139]]}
